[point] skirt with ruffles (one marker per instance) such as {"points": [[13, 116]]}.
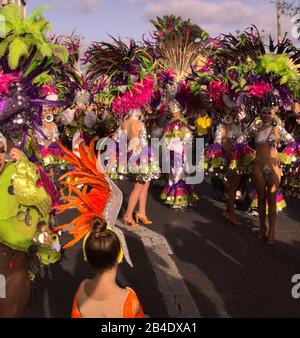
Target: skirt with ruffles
{"points": [[179, 195], [138, 167]]}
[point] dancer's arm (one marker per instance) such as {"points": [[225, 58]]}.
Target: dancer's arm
{"points": [[284, 135], [248, 135], [220, 134]]}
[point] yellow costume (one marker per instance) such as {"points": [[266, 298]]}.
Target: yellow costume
{"points": [[203, 124]]}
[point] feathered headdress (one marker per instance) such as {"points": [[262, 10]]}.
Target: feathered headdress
{"points": [[179, 54], [26, 58], [98, 196], [137, 97], [50, 93], [92, 200], [243, 67]]}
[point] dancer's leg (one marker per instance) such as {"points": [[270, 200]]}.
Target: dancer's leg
{"points": [[17, 284], [233, 184], [143, 199], [133, 199], [260, 186]]}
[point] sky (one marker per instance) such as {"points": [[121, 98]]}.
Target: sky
{"points": [[95, 19]]}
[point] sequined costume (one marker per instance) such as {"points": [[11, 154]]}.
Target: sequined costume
{"points": [[291, 159], [177, 193], [226, 154], [24, 211], [132, 159], [280, 203], [47, 146], [26, 243], [272, 134]]}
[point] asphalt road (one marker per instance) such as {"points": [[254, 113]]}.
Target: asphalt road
{"points": [[206, 268]]}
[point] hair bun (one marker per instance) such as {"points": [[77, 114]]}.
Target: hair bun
{"points": [[98, 227]]}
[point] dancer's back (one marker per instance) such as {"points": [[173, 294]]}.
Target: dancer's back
{"points": [[96, 301], [133, 128]]}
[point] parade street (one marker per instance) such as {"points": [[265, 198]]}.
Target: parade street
{"points": [[192, 264]]}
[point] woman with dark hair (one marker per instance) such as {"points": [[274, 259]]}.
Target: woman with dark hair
{"points": [[99, 202], [220, 154], [101, 297]]}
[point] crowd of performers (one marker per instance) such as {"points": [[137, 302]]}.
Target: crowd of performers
{"points": [[236, 93]]}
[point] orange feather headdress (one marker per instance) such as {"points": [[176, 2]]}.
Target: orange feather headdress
{"points": [[92, 200]]}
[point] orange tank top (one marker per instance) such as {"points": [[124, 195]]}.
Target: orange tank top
{"points": [[131, 303]]}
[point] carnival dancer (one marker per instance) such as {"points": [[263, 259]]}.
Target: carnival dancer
{"points": [[48, 152], [128, 70], [220, 154], [99, 202], [267, 132], [25, 239], [138, 164], [177, 193]]}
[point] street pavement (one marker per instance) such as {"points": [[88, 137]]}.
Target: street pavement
{"points": [[192, 264]]}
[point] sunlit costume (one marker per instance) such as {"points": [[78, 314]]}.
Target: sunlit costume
{"points": [[253, 209], [257, 76], [25, 239], [26, 191], [176, 135], [203, 127], [80, 117], [98, 197], [225, 158], [131, 156], [224, 155], [291, 180], [44, 145], [268, 135], [28, 76]]}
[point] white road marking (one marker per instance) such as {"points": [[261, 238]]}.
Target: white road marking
{"points": [[222, 252], [177, 298]]}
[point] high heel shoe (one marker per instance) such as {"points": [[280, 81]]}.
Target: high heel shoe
{"points": [[231, 221], [261, 235], [144, 219], [130, 222], [270, 239]]}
